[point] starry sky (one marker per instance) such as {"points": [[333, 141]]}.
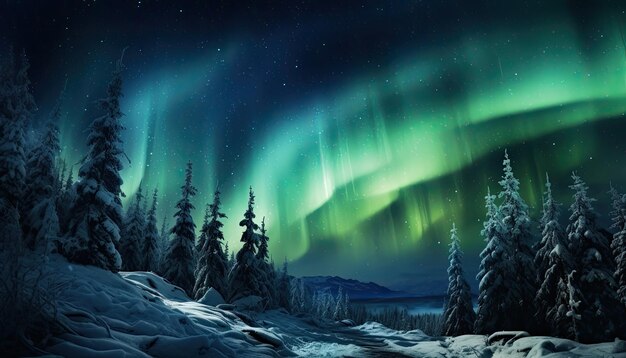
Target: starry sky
{"points": [[365, 128]]}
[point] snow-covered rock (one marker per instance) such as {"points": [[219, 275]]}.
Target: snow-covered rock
{"points": [[212, 298]]}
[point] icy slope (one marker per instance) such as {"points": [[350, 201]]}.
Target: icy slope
{"points": [[139, 314]]}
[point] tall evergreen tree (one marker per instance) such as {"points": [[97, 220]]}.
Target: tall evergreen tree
{"points": [[284, 288], [204, 229], [268, 279], [495, 283], [16, 108], [244, 276], [94, 228], [152, 240], [164, 235], [516, 224], [459, 313], [618, 245], [212, 267], [600, 311], [178, 266], [552, 261], [133, 236], [40, 222]]}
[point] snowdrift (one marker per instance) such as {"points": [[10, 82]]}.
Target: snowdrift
{"points": [[138, 314]]}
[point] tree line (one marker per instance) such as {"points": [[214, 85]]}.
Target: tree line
{"points": [[45, 210], [570, 283]]}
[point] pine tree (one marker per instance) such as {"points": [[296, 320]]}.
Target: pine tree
{"points": [[495, 284], [40, 223], [244, 276], [164, 235], [152, 240], [16, 109], [552, 261], [213, 262], [284, 288], [179, 260], [269, 277], [459, 313], [618, 245], [600, 311], [516, 224], [131, 244], [204, 230], [94, 227], [227, 255]]}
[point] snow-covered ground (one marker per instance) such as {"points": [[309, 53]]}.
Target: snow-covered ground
{"points": [[138, 314]]}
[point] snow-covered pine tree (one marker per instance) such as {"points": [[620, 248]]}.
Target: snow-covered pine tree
{"points": [[516, 225], [284, 288], [96, 216], [152, 240], [552, 261], [164, 235], [600, 310], [178, 266], [244, 276], [495, 284], [16, 108], [227, 255], [40, 223], [268, 277], [618, 245], [203, 230], [338, 309], [131, 243], [212, 268], [459, 313]]}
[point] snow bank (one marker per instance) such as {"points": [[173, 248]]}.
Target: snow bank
{"points": [[139, 314]]}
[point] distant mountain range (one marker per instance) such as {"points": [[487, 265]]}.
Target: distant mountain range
{"points": [[355, 289]]}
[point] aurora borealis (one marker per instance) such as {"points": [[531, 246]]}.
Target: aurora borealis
{"points": [[365, 129]]}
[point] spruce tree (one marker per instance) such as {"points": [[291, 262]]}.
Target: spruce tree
{"points": [[284, 288], [552, 261], [40, 223], [152, 240], [16, 109], [212, 269], [494, 277], [204, 230], [459, 313], [94, 227], [618, 245], [178, 266], [244, 276], [131, 243], [268, 279], [600, 310], [516, 225], [164, 235]]}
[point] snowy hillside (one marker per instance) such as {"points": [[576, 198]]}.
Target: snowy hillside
{"points": [[138, 314], [354, 288]]}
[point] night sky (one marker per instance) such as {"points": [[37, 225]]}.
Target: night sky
{"points": [[365, 128]]}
